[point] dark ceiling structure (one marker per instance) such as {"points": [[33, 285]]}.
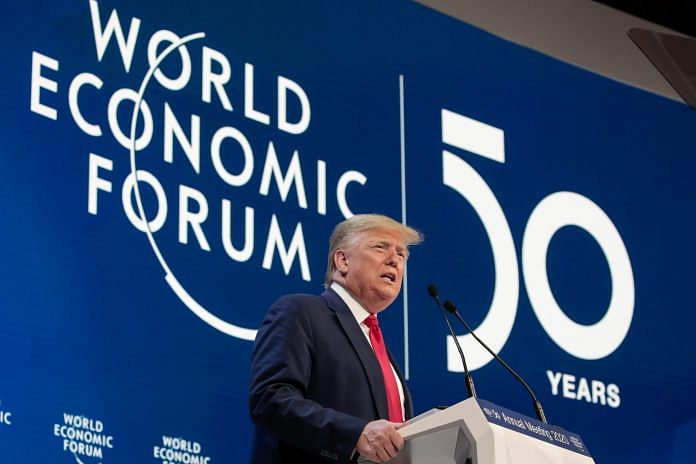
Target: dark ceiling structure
{"points": [[679, 15]]}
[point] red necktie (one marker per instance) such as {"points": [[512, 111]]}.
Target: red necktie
{"points": [[393, 399]]}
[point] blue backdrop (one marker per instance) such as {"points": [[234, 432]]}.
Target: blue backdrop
{"points": [[557, 207]]}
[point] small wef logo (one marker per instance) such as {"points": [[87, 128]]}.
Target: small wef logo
{"points": [[84, 438], [179, 450]]}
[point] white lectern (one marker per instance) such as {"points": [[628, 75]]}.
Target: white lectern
{"points": [[479, 432]]}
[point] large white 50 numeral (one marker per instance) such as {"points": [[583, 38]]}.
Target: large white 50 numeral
{"points": [[557, 210], [496, 327]]}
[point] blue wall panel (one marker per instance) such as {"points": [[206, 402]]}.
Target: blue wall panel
{"points": [[91, 327]]}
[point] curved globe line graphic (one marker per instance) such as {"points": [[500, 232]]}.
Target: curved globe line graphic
{"points": [[190, 302], [79, 461]]}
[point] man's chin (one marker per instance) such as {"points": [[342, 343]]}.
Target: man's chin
{"points": [[389, 295]]}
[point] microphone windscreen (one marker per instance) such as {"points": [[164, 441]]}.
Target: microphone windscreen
{"points": [[449, 306], [432, 290]]}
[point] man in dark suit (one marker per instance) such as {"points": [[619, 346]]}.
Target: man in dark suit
{"points": [[323, 386]]}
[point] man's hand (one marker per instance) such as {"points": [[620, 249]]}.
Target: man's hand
{"points": [[380, 440]]}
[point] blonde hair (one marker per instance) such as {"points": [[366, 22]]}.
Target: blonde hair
{"points": [[347, 232]]}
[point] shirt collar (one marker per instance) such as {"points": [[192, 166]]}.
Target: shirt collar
{"points": [[359, 312]]}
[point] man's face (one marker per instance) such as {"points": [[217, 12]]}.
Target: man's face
{"points": [[372, 267]]}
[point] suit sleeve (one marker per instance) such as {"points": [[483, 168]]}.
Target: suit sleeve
{"points": [[281, 366]]}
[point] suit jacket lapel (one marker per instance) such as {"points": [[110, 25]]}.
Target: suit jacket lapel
{"points": [[362, 348]]}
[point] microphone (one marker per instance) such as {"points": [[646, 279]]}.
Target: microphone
{"points": [[468, 380], [449, 306]]}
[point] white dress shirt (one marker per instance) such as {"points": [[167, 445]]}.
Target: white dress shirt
{"points": [[360, 314]]}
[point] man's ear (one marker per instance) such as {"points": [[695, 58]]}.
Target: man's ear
{"points": [[341, 261]]}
